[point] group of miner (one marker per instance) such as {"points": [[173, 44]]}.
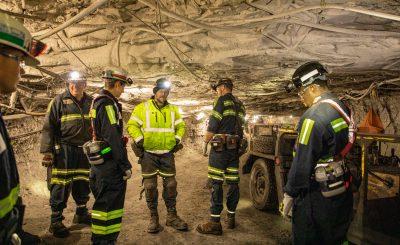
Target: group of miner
{"points": [[85, 151]]}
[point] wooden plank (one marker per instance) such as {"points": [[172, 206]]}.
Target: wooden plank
{"points": [[16, 117]]}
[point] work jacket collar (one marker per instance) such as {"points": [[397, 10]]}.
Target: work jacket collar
{"points": [[106, 92], [326, 95], [156, 105], [229, 94]]}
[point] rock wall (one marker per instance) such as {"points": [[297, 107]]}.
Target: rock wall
{"points": [[195, 130], [26, 148]]}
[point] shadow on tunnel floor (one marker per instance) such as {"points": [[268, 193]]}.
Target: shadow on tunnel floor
{"points": [[383, 215]]}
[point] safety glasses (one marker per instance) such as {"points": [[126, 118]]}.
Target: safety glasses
{"points": [[80, 84], [303, 91], [17, 58]]}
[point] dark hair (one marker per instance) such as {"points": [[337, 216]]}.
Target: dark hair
{"points": [[110, 83], [228, 86]]}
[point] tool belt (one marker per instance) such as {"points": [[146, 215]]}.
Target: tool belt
{"points": [[220, 142], [332, 178], [97, 151]]}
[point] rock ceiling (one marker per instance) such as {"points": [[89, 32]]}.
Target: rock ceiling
{"points": [[257, 43]]}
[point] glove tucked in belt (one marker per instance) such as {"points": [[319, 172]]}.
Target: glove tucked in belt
{"points": [[178, 146], [48, 160], [137, 148]]}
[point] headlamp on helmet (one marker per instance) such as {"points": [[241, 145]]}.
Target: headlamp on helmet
{"points": [[306, 75], [76, 76], [163, 83], [118, 75]]}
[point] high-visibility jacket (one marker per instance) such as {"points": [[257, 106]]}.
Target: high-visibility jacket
{"points": [[159, 127], [67, 122]]}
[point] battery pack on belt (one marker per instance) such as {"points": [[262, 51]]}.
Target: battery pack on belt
{"points": [[331, 178], [96, 152]]}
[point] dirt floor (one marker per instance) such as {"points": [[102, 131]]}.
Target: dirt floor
{"points": [[254, 227]]}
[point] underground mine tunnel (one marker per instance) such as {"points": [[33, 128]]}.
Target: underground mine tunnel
{"points": [[186, 48]]}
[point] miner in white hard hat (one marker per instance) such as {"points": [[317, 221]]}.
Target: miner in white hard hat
{"points": [[66, 128]]}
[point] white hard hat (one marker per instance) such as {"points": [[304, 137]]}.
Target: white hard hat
{"points": [[117, 74], [15, 35]]}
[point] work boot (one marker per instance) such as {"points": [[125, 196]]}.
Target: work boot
{"points": [[85, 219], [82, 216], [211, 227], [58, 229], [28, 238], [154, 225], [176, 222], [231, 224]]}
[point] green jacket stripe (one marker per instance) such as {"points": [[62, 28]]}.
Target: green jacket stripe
{"points": [[306, 130]]}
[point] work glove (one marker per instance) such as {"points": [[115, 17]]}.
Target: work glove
{"points": [[178, 146], [128, 174], [137, 148], [285, 208], [205, 149], [47, 160], [140, 143]]}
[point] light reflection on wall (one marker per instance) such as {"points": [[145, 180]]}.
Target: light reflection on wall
{"points": [[274, 119]]}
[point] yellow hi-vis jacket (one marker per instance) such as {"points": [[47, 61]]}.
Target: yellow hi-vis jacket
{"points": [[158, 127]]}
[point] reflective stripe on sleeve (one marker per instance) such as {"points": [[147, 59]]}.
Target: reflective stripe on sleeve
{"points": [[111, 114], [306, 130]]}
